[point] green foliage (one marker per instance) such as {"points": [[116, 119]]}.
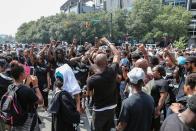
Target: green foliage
{"points": [[173, 21], [148, 20], [140, 19], [181, 43]]}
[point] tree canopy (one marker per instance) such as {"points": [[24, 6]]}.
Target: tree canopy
{"points": [[148, 20]]}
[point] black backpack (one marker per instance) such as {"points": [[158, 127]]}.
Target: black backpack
{"points": [[10, 109], [72, 116]]}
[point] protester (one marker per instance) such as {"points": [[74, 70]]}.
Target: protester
{"points": [[159, 93], [5, 81], [42, 72], [63, 109], [185, 121], [70, 83], [137, 110], [5, 78], [189, 90], [97, 74], [103, 85], [27, 97]]}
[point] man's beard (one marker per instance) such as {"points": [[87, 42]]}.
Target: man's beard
{"points": [[59, 59]]}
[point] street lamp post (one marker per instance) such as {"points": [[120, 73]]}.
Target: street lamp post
{"points": [[111, 25], [111, 15]]}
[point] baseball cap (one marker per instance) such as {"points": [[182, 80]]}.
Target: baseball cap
{"points": [[181, 60], [124, 62], [191, 59], [135, 75]]}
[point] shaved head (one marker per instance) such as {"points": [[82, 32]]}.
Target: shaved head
{"points": [[142, 63], [101, 60]]}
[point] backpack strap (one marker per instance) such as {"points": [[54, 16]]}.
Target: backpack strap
{"points": [[5, 77], [13, 87]]}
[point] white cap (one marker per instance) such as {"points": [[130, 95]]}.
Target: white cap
{"points": [[136, 74]]}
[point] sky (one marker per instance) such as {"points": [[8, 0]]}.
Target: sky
{"points": [[15, 12]]}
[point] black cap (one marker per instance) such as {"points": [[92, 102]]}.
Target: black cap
{"points": [[192, 103], [191, 59]]}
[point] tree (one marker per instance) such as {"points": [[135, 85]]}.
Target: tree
{"points": [[148, 21], [140, 19], [173, 21], [181, 43]]}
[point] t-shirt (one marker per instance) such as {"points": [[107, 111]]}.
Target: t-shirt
{"points": [[41, 73], [104, 86], [27, 98], [173, 85], [173, 123], [159, 86], [81, 73], [137, 111], [5, 81]]}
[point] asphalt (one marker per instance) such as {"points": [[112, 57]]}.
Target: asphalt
{"points": [[86, 119], [46, 120]]}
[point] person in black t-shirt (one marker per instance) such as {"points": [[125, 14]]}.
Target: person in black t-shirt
{"points": [[190, 66], [81, 69], [185, 121], [189, 90], [42, 73], [172, 77], [103, 85], [5, 79], [26, 96], [137, 111], [56, 55], [159, 92]]}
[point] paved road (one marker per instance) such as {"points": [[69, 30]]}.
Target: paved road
{"points": [[46, 121], [84, 126]]}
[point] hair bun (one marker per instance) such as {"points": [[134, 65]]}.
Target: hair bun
{"points": [[14, 64]]}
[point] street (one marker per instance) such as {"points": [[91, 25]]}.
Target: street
{"points": [[46, 120]]}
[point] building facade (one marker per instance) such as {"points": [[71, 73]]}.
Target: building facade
{"points": [[86, 6], [176, 2], [112, 5], [78, 6], [190, 5]]}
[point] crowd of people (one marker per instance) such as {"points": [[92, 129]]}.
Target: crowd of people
{"points": [[145, 88]]}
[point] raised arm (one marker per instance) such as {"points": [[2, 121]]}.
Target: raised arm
{"points": [[43, 50], [114, 50], [51, 53]]}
